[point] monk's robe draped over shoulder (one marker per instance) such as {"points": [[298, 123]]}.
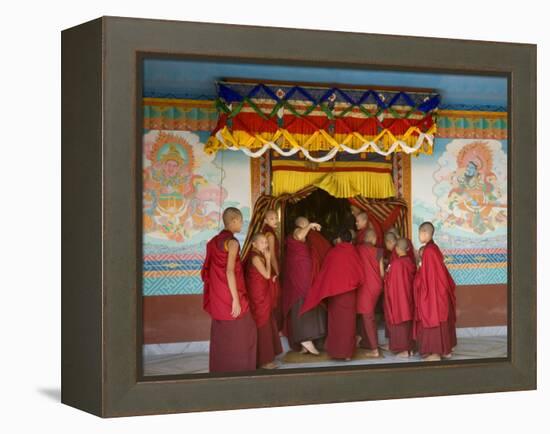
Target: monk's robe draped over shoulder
{"points": [[360, 237], [369, 292], [217, 299], [398, 294], [274, 287], [434, 289], [259, 291], [342, 271], [410, 253], [319, 246], [297, 272]]}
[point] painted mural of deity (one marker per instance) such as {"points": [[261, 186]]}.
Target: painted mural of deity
{"points": [[470, 186], [177, 201]]}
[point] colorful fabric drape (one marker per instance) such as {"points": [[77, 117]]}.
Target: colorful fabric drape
{"points": [[384, 214], [347, 175], [257, 117]]}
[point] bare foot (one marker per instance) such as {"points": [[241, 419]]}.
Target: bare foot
{"points": [[447, 356], [357, 340], [347, 359], [432, 358], [372, 353], [308, 345], [269, 365], [403, 354]]}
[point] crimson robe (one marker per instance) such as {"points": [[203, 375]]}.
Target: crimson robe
{"points": [[297, 278], [217, 299], [370, 290], [233, 343], [342, 273], [368, 294], [435, 313], [275, 285], [297, 272], [399, 303], [319, 246], [360, 237], [261, 306]]}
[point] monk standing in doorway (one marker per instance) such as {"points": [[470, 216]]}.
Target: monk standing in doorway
{"points": [[269, 229], [369, 292], [362, 225], [302, 330], [233, 331], [258, 283], [398, 301], [341, 274], [434, 291]]}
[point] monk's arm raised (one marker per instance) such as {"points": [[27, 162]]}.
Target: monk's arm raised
{"points": [[232, 252], [274, 260], [301, 233], [264, 270]]}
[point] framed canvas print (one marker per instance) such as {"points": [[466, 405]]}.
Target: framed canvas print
{"points": [[257, 216]]}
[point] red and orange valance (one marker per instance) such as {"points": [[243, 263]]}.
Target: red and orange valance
{"points": [[322, 120]]}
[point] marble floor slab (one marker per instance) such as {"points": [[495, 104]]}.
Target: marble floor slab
{"points": [[479, 347]]}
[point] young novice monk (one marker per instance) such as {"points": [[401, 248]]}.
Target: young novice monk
{"points": [[271, 222], [434, 291], [390, 240], [233, 331], [398, 301], [361, 223], [410, 251], [369, 292], [342, 273], [301, 330], [258, 283]]}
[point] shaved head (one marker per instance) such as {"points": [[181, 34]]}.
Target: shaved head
{"points": [[230, 214], [361, 221], [258, 237], [271, 213], [390, 236], [427, 227], [393, 230], [370, 236], [402, 244], [301, 222], [362, 216]]}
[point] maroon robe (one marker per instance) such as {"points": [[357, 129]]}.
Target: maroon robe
{"points": [[319, 246], [399, 303], [276, 285], [297, 278], [435, 313], [368, 294], [232, 340], [360, 237], [261, 306], [342, 273]]}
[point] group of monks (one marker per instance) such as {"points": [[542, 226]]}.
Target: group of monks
{"points": [[327, 295]]}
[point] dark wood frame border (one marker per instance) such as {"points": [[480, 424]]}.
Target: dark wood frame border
{"points": [[101, 232]]}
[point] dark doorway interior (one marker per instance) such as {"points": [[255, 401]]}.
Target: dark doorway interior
{"points": [[330, 212]]}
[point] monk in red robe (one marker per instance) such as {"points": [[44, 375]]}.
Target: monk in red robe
{"points": [[369, 292], [362, 225], [410, 247], [301, 330], [390, 240], [434, 292], [233, 331], [260, 295], [342, 273], [398, 301], [269, 229]]}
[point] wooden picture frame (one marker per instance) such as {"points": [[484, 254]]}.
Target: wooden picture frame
{"points": [[101, 232]]}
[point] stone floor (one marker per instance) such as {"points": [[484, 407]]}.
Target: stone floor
{"points": [[472, 347]]}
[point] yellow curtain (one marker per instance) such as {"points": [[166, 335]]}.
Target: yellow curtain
{"points": [[338, 184]]}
